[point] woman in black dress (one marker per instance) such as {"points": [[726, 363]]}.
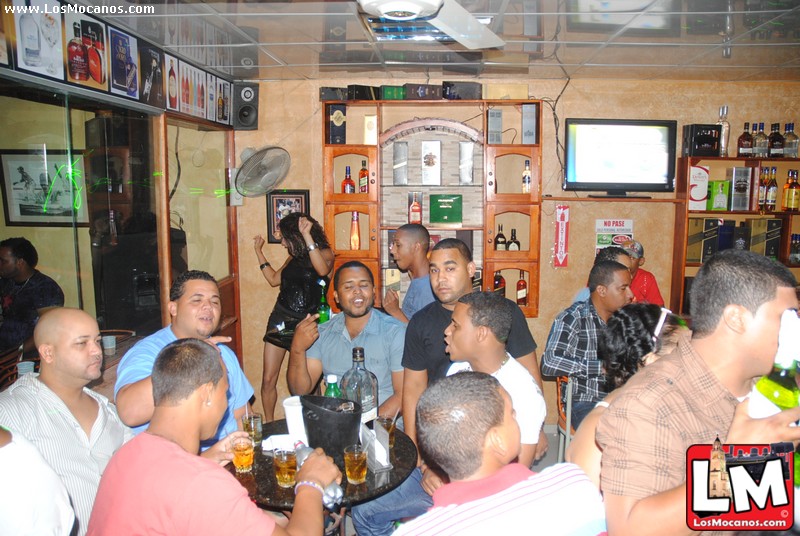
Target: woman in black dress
{"points": [[310, 260]]}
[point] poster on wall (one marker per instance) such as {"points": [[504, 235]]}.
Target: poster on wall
{"points": [[43, 188], [223, 102], [3, 45], [193, 90], [151, 72], [124, 61], [211, 102], [173, 88], [611, 232], [39, 42], [86, 51]]}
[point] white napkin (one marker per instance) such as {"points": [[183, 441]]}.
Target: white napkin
{"points": [[282, 442]]}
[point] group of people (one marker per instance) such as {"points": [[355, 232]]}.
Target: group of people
{"points": [[458, 365]]}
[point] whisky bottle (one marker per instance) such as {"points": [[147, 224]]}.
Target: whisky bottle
{"points": [[775, 142], [500, 240], [415, 210], [355, 232], [499, 284], [526, 178], [360, 385], [172, 83], [793, 195], [772, 190], [785, 193], [744, 145], [763, 181], [522, 290], [724, 130], [348, 186], [77, 63], [363, 178], [790, 142], [513, 244], [760, 142], [30, 38]]}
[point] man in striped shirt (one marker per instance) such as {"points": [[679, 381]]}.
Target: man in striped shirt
{"points": [[466, 426], [75, 429]]}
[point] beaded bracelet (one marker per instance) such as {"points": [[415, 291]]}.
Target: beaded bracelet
{"points": [[309, 483]]}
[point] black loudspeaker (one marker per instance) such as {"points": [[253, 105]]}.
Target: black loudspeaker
{"points": [[245, 106]]}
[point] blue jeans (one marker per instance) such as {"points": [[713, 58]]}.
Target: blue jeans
{"points": [[377, 517], [579, 411]]}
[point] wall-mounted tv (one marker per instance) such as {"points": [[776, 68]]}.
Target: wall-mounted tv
{"points": [[620, 155]]}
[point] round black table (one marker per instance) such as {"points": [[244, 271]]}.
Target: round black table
{"points": [[264, 490]]}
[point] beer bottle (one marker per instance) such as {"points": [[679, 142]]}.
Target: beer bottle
{"points": [[324, 310]]}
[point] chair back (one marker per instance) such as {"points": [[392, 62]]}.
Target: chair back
{"points": [[8, 366]]}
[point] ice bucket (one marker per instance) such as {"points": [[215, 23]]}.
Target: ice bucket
{"points": [[328, 428]]}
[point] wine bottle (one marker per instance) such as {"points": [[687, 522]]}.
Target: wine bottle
{"points": [[724, 131], [500, 239], [744, 145], [360, 385], [513, 244], [499, 284], [775, 142], [348, 186], [522, 290], [363, 178], [355, 232], [526, 178]]}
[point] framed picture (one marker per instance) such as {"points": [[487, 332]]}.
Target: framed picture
{"points": [[43, 188], [635, 17], [281, 203]]}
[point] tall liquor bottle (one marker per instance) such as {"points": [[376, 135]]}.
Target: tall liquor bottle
{"points": [[360, 385], [775, 141], [513, 244], [415, 209], [772, 190], [724, 131], [348, 186], [355, 232], [744, 145], [792, 203], [526, 178], [363, 178], [760, 142], [499, 283], [763, 181], [324, 310], [522, 290], [77, 62], [500, 240], [790, 140], [30, 37], [172, 88]]}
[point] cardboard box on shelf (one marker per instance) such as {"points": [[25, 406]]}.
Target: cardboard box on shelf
{"points": [[431, 155], [702, 243], [719, 195], [445, 209], [765, 236], [698, 187], [740, 193]]}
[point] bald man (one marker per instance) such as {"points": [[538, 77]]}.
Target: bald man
{"points": [[75, 429]]}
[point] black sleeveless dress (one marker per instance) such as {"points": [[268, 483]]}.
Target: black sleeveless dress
{"points": [[299, 295]]}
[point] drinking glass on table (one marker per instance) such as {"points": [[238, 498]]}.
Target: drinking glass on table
{"points": [[285, 462], [251, 423], [389, 425], [355, 464], [243, 454]]}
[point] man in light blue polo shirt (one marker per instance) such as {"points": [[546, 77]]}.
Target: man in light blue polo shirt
{"points": [[328, 348], [195, 311]]}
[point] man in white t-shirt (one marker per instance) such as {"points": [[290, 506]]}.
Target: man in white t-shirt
{"points": [[476, 340]]}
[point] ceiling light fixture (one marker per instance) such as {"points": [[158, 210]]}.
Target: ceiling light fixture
{"points": [[401, 9]]}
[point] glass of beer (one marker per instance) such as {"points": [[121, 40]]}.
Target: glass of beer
{"points": [[389, 425], [355, 464], [251, 423], [243, 454], [285, 463]]}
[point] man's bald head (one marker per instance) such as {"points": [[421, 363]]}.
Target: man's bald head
{"points": [[68, 341], [53, 323]]}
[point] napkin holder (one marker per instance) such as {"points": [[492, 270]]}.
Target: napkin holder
{"points": [[377, 446]]}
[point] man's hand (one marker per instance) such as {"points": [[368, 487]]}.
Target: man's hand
{"points": [[319, 468], [430, 480], [306, 333], [222, 451], [541, 447], [774, 429], [391, 302]]}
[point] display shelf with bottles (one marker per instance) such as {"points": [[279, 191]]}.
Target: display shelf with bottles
{"points": [[443, 155], [512, 273], [717, 168]]}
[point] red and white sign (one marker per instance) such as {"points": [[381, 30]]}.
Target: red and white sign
{"points": [[561, 250]]}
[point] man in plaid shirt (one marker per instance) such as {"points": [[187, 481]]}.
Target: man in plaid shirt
{"points": [[572, 344]]}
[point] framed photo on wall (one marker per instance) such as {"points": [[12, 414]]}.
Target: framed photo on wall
{"points": [[43, 188], [281, 203]]}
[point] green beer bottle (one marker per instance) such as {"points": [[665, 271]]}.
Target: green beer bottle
{"points": [[324, 310]]}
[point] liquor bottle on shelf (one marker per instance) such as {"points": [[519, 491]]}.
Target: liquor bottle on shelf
{"points": [[500, 243], [744, 145], [360, 385], [790, 140], [526, 178], [415, 209], [760, 142], [172, 89], [772, 190], [499, 284], [785, 193], [355, 232], [324, 310], [724, 131], [522, 290], [763, 181], [793, 195], [363, 178], [77, 63], [30, 37], [348, 186], [513, 244], [775, 141]]}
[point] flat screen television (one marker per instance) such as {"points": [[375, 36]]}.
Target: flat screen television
{"points": [[620, 155]]}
